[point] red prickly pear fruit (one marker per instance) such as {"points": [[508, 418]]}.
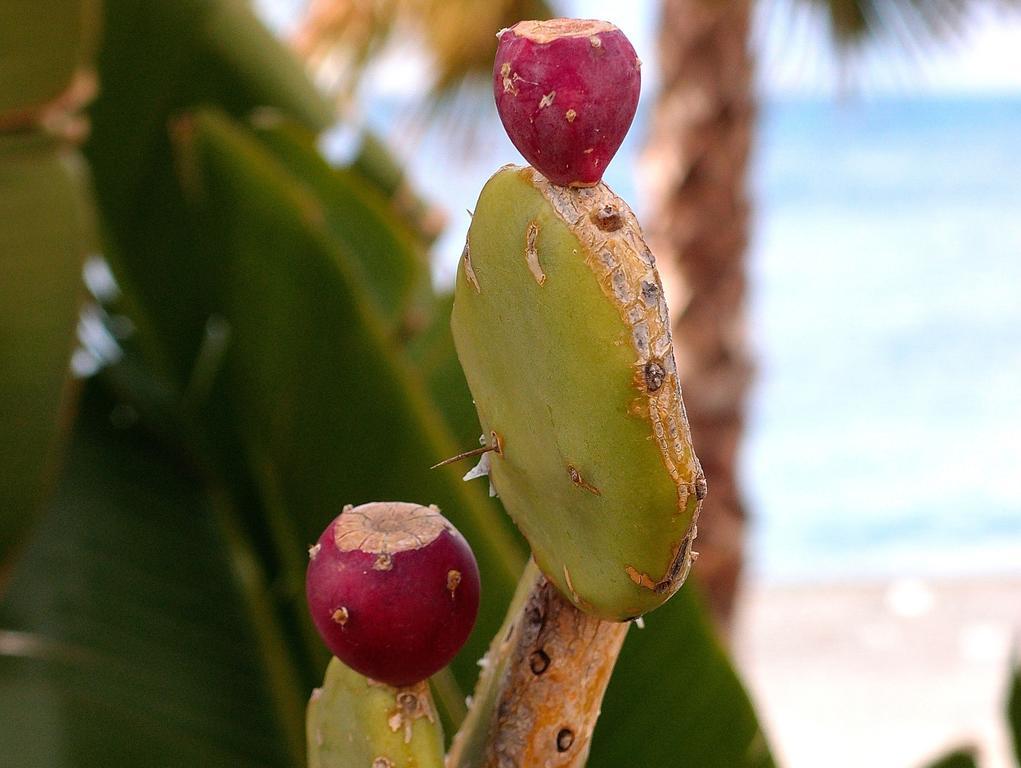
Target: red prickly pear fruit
{"points": [[393, 589], [566, 91]]}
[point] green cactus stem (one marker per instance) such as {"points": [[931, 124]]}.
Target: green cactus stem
{"points": [[542, 684], [355, 722], [562, 330]]}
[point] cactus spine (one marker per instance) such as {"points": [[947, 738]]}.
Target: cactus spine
{"points": [[562, 330]]}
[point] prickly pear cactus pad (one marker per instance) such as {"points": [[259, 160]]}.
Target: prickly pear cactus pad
{"points": [[563, 334], [355, 722]]}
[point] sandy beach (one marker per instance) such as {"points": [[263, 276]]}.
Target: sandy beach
{"points": [[884, 674]]}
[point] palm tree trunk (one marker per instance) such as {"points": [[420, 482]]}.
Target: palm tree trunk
{"points": [[695, 168]]}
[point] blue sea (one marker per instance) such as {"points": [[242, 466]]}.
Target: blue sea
{"points": [[884, 432], [886, 313]]}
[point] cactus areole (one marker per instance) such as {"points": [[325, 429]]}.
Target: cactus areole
{"points": [[393, 589], [566, 91]]}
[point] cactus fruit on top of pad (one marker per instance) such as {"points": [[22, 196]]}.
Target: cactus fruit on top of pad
{"points": [[566, 91], [393, 589], [562, 330]]}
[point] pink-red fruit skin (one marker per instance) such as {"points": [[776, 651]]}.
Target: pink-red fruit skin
{"points": [[393, 589], [566, 91]]}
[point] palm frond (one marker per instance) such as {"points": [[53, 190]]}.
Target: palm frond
{"points": [[910, 22], [462, 35], [341, 36]]}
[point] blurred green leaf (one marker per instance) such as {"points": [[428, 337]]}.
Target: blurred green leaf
{"points": [[42, 43], [375, 165], [675, 699], [42, 242], [234, 41], [435, 357], [959, 758], [1014, 709], [327, 409], [156, 60], [258, 329], [382, 252], [134, 631]]}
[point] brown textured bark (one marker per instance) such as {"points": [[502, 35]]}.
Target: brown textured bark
{"points": [[695, 171], [542, 685]]}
